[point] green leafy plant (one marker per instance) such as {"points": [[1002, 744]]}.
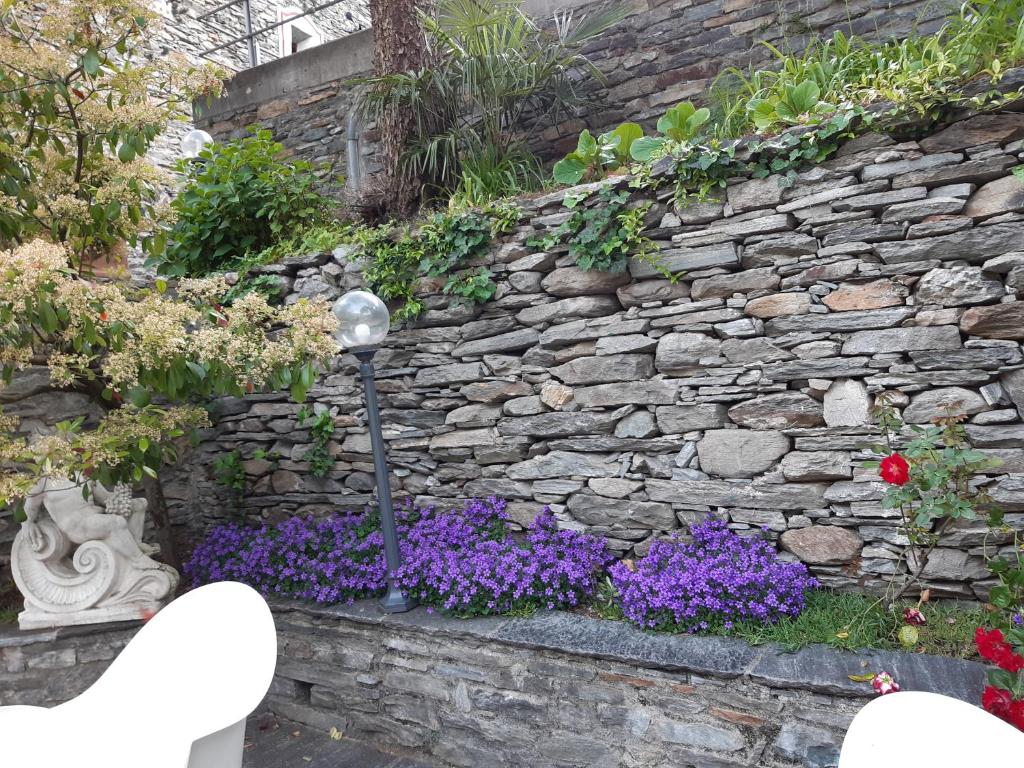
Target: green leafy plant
{"points": [[795, 104], [320, 237], [929, 484], [604, 233], [239, 198], [681, 123], [496, 77], [446, 245], [229, 472], [593, 157], [321, 429]]}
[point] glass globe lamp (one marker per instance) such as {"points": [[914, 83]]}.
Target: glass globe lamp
{"points": [[193, 142], [363, 320]]}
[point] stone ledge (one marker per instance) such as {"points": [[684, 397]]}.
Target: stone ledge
{"points": [[816, 668], [12, 637]]}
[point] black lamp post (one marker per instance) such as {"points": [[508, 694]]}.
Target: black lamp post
{"points": [[364, 321]]}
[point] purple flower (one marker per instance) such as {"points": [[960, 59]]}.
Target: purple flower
{"points": [[718, 577], [466, 562]]}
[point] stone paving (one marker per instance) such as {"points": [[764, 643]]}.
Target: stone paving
{"points": [[272, 743]]}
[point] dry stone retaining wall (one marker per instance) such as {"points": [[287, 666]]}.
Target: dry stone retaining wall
{"points": [[632, 405], [551, 691]]}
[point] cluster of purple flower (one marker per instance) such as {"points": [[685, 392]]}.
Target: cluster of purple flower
{"points": [[714, 580], [330, 560], [468, 565], [465, 562]]}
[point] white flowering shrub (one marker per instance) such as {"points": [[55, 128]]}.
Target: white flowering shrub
{"points": [[128, 347], [80, 104]]}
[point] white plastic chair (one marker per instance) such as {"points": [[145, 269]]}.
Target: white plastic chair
{"points": [[914, 728], [177, 696]]}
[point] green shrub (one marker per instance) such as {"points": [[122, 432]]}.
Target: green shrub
{"points": [[445, 245], [603, 236], [239, 198]]}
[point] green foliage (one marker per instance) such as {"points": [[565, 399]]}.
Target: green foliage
{"points": [[940, 487], [496, 78], [445, 245], [229, 472], [594, 157], [268, 285], [918, 73], [603, 234], [681, 123], [321, 429], [1018, 171], [239, 197], [320, 237]]}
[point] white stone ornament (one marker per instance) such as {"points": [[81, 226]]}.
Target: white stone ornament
{"points": [[79, 557]]}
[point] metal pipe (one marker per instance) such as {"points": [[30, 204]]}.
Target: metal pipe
{"points": [[394, 601], [247, 16], [353, 157]]}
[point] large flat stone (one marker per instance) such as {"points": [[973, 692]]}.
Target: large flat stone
{"points": [[572, 308], [902, 340], [973, 245], [781, 411], [839, 322], [560, 424], [981, 129], [449, 374], [958, 287], [681, 353], [721, 493], [677, 260], [939, 403], [822, 544], [506, 342], [999, 321], [678, 419], [563, 464], [650, 392], [604, 369], [573, 281], [740, 452], [621, 513]]}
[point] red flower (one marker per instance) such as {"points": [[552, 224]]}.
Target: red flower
{"points": [[997, 701], [883, 683], [994, 648], [914, 617], [1017, 714], [895, 470]]}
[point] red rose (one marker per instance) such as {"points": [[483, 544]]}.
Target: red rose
{"points": [[992, 647], [997, 701], [895, 470], [1017, 714]]}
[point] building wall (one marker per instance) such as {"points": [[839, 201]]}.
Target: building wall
{"points": [[662, 53], [633, 406]]}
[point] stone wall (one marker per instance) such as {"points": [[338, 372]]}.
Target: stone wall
{"points": [[556, 689], [634, 406], [662, 53]]}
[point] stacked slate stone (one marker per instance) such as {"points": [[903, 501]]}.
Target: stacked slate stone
{"points": [[633, 405]]}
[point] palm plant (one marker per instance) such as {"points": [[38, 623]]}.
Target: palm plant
{"points": [[493, 77]]}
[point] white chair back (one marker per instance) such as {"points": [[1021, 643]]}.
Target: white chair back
{"points": [[190, 677], [914, 728]]}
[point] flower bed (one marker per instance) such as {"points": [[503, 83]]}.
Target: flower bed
{"points": [[465, 562], [719, 578]]}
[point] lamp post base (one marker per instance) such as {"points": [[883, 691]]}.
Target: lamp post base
{"points": [[395, 602]]}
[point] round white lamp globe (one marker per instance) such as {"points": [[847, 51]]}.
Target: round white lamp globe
{"points": [[363, 320], [193, 142]]}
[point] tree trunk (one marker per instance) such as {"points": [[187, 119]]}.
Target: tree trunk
{"points": [[157, 508], [398, 46]]}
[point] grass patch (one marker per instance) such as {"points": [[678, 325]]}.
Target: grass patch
{"points": [[8, 615], [852, 622]]}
